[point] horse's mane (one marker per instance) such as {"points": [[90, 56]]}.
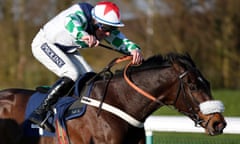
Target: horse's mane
{"points": [[184, 60], [163, 61], [167, 60]]}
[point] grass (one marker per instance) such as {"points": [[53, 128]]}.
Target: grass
{"points": [[230, 98], [194, 138]]}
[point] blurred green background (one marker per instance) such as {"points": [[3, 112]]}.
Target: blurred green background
{"points": [[207, 29]]}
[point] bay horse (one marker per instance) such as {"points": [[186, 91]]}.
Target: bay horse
{"points": [[131, 96]]}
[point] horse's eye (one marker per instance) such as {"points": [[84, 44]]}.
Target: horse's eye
{"points": [[192, 87]]}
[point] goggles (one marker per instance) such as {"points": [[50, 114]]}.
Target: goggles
{"points": [[105, 28]]}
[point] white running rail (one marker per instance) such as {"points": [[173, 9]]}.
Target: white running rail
{"points": [[183, 124]]}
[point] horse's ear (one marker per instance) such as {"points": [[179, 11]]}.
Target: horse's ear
{"points": [[178, 67]]}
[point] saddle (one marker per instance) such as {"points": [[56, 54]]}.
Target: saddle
{"points": [[67, 107]]}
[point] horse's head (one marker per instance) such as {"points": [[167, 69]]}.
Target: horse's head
{"points": [[193, 97], [174, 80]]}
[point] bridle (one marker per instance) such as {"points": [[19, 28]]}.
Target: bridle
{"points": [[192, 114]]}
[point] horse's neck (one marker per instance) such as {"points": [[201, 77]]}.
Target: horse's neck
{"points": [[160, 83], [132, 101]]}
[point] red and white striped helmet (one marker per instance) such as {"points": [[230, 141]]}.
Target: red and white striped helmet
{"points": [[107, 13]]}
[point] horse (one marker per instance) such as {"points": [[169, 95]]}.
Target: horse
{"points": [[130, 97]]}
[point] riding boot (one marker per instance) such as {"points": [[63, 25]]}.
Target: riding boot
{"points": [[39, 115]]}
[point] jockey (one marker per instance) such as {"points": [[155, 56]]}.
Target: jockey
{"points": [[55, 46]]}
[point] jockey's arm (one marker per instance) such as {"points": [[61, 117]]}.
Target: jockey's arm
{"points": [[121, 43]]}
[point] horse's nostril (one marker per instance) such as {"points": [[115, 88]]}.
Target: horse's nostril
{"points": [[219, 126]]}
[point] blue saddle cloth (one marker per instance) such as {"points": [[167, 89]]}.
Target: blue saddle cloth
{"points": [[61, 107]]}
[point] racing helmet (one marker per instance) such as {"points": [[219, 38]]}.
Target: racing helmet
{"points": [[107, 13]]}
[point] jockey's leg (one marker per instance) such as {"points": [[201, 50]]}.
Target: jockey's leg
{"points": [[60, 88]]}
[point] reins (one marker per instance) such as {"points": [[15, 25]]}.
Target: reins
{"points": [[130, 83], [106, 70], [122, 59], [139, 90]]}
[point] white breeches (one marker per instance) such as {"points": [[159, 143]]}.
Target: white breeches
{"points": [[71, 65]]}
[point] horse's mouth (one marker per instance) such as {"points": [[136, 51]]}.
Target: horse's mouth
{"points": [[213, 124], [216, 128]]}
